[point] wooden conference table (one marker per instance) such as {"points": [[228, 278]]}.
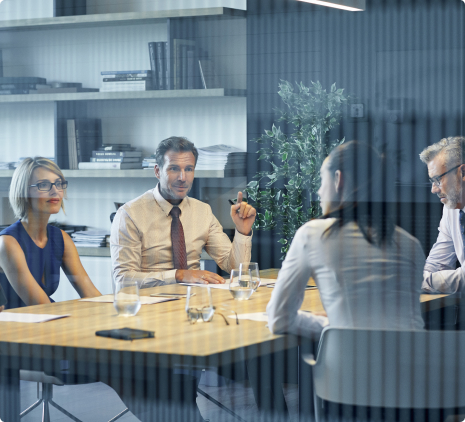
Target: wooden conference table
{"points": [[176, 343]]}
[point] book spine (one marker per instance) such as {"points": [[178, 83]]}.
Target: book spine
{"points": [[147, 82], [115, 160], [129, 78], [71, 130], [190, 69], [184, 66], [18, 86], [126, 72], [13, 91], [161, 65], [116, 154], [153, 63]]}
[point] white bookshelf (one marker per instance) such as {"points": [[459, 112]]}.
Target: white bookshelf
{"points": [[180, 94], [112, 19]]}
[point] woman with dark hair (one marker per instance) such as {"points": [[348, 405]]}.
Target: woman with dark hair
{"points": [[33, 251], [368, 270]]}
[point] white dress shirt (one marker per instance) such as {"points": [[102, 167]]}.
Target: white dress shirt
{"points": [[360, 285], [440, 274], [140, 239]]}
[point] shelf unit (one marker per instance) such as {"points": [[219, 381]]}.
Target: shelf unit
{"points": [[78, 48], [143, 174], [112, 19], [180, 94]]}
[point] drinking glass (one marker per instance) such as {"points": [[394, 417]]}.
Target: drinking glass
{"points": [[127, 300], [250, 269], [199, 304], [241, 284]]}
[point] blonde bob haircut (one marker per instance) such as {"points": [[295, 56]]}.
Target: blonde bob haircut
{"points": [[19, 188]]}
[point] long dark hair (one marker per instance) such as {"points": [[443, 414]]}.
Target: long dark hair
{"points": [[366, 187]]}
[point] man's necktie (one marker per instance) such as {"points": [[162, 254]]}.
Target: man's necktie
{"points": [[178, 243]]}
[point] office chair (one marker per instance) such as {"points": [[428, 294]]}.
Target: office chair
{"points": [[373, 375], [46, 396]]}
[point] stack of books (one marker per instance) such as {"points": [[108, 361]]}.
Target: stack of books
{"points": [[90, 238], [21, 85], [84, 136], [126, 80], [114, 157], [221, 157], [148, 163]]}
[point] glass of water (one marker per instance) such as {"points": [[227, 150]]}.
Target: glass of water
{"points": [[199, 304], [127, 300], [250, 270], [241, 284]]}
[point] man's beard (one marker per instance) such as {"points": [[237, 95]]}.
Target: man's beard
{"points": [[453, 198]]}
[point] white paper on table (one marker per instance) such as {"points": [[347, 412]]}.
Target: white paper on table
{"points": [[266, 281], [224, 286], [31, 318], [144, 300], [255, 316]]}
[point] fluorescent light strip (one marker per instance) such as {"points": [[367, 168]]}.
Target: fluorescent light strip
{"points": [[335, 5]]}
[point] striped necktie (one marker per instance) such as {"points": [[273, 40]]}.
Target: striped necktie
{"points": [[178, 242]]}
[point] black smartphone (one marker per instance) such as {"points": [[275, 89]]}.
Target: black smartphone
{"points": [[126, 334], [3, 300]]}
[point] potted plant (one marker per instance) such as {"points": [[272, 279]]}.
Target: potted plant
{"points": [[295, 159]]}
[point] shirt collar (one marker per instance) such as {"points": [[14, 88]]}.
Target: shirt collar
{"points": [[165, 205]]}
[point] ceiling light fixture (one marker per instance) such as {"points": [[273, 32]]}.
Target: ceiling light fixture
{"points": [[351, 5]]}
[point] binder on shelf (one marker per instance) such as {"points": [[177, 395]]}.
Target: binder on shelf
{"points": [[84, 136], [179, 58]]}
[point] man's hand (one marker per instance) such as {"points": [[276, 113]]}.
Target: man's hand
{"points": [[198, 276], [243, 215]]}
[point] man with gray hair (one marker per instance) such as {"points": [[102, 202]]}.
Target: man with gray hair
{"points": [[446, 170]]}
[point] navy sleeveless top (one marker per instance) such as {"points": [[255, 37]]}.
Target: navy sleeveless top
{"points": [[42, 263]]}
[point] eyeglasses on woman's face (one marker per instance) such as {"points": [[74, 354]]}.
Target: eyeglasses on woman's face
{"points": [[46, 186]]}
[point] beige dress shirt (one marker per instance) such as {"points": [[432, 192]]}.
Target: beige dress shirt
{"points": [[141, 239]]}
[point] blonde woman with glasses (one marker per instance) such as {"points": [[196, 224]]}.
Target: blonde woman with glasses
{"points": [[31, 250]]}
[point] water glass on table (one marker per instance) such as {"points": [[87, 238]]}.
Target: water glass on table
{"points": [[127, 299], [199, 304], [241, 284], [250, 270]]}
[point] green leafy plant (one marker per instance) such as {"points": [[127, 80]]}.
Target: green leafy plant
{"points": [[295, 159]]}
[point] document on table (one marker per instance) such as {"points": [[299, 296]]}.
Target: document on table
{"points": [[31, 318], [254, 316], [225, 286], [144, 300]]}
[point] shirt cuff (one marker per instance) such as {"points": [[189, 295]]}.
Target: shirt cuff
{"points": [[242, 238], [170, 277]]}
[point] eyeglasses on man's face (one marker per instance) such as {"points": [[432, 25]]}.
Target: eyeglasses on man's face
{"points": [[436, 180], [47, 186]]}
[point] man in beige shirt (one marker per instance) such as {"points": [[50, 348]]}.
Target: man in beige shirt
{"points": [[140, 240]]}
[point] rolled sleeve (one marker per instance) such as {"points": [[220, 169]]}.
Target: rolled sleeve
{"points": [[226, 254], [440, 274]]}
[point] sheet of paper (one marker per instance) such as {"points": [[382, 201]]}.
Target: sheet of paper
{"points": [[224, 286], [255, 316], [31, 318], [144, 300]]}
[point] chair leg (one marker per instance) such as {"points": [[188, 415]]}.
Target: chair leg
{"points": [[45, 412], [65, 412], [119, 415], [30, 408]]}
